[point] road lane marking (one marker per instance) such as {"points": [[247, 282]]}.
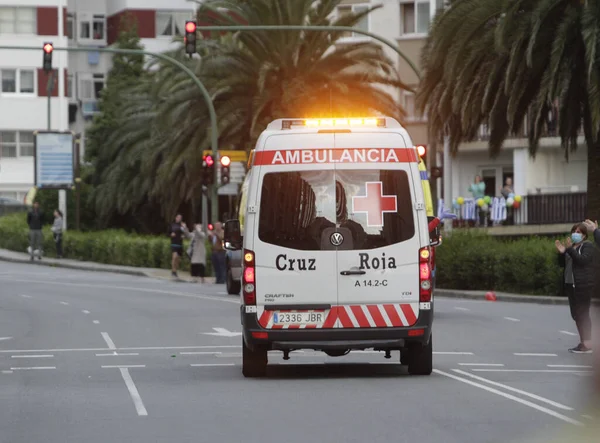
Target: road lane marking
{"points": [[115, 354], [453, 353], [122, 366], [481, 364], [5, 338], [511, 319], [588, 417], [569, 333], [96, 322], [85, 311], [33, 356], [529, 354], [135, 395], [518, 391], [537, 371], [107, 339], [64, 303], [195, 365], [7, 372], [147, 348], [200, 353], [570, 366], [511, 397], [32, 368], [129, 288], [458, 308], [25, 296]]}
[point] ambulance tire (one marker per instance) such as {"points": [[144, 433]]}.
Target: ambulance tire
{"points": [[420, 359], [254, 362], [233, 287]]}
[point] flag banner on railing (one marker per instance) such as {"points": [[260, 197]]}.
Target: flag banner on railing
{"points": [[469, 209], [498, 209]]}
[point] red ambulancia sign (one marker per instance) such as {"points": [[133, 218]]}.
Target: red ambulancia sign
{"points": [[353, 155]]}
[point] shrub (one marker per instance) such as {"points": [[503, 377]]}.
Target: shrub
{"points": [[113, 247], [476, 261]]}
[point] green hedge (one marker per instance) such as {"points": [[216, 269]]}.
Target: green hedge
{"points": [[476, 261], [113, 247]]}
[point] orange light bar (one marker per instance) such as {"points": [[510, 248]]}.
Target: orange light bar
{"points": [[311, 122]]}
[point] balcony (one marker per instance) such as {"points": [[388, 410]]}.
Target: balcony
{"points": [[534, 210]]}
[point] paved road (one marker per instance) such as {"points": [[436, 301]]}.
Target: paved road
{"points": [[101, 357]]}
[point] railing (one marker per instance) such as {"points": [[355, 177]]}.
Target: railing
{"points": [[11, 209], [536, 209]]}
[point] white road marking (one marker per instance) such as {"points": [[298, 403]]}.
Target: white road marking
{"points": [[537, 371], [7, 372], [129, 288], [222, 332], [96, 322], [570, 366], [113, 354], [588, 417], [518, 391], [122, 366], [85, 311], [200, 353], [481, 364], [64, 303], [25, 296], [511, 397], [32, 368], [147, 348], [453, 353], [528, 354], [511, 319], [33, 356], [569, 333], [135, 395], [5, 338], [211, 364], [458, 308], [107, 339]]}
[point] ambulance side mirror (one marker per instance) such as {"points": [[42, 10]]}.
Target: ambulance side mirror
{"points": [[233, 235], [435, 236]]}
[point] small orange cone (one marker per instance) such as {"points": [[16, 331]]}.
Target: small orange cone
{"points": [[490, 296]]}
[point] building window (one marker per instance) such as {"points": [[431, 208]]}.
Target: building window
{"points": [[90, 87], [415, 16], [93, 29], [26, 144], [70, 26], [69, 91], [170, 24], [18, 81], [363, 24], [16, 144], [408, 103], [21, 20]]}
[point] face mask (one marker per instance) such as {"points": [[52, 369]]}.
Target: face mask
{"points": [[576, 237]]}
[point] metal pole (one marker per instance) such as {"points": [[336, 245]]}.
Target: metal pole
{"points": [[78, 183], [447, 180], [204, 211], [49, 90]]}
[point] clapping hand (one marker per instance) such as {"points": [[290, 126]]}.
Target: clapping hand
{"points": [[568, 242], [590, 225], [561, 248]]}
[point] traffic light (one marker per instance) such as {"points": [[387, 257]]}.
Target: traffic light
{"points": [[422, 150], [208, 170], [48, 49], [225, 164], [436, 172], [190, 37]]}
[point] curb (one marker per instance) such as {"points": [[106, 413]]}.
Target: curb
{"points": [[513, 298], [54, 264]]}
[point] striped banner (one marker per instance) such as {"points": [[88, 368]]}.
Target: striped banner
{"points": [[499, 211]]}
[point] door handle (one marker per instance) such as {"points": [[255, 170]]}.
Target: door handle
{"points": [[353, 272]]}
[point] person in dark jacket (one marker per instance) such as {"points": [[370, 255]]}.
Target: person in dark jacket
{"points": [[577, 256], [35, 220]]}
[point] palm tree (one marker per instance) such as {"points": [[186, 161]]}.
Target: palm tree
{"points": [[253, 79], [496, 62]]}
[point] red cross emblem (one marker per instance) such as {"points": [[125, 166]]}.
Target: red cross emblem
{"points": [[374, 204]]}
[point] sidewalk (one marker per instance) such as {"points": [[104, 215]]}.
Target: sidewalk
{"points": [[163, 274]]}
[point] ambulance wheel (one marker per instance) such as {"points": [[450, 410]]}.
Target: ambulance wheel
{"points": [[233, 287], [420, 359], [254, 362]]}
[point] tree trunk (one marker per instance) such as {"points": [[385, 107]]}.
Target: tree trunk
{"points": [[593, 181]]}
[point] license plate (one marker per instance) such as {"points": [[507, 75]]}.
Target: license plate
{"points": [[298, 318]]}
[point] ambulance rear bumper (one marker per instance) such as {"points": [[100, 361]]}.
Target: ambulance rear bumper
{"points": [[336, 339]]}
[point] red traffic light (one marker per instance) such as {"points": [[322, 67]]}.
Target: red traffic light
{"points": [[421, 150], [190, 27], [225, 160], [48, 48], [209, 160]]}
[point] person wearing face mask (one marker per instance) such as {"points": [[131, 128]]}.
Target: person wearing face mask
{"points": [[578, 257]]}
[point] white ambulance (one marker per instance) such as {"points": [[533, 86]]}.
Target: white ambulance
{"points": [[336, 248]]}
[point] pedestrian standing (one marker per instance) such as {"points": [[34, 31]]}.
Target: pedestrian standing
{"points": [[577, 256], [218, 253], [35, 220], [197, 253], [176, 231], [57, 232]]}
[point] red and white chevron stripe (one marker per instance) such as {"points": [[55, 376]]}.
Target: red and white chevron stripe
{"points": [[353, 316]]}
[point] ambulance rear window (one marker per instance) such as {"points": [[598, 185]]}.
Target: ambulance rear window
{"points": [[372, 207]]}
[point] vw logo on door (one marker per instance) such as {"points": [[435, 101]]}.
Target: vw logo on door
{"points": [[336, 239]]}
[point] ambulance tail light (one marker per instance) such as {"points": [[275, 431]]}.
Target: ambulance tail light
{"points": [[425, 283], [249, 278]]}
